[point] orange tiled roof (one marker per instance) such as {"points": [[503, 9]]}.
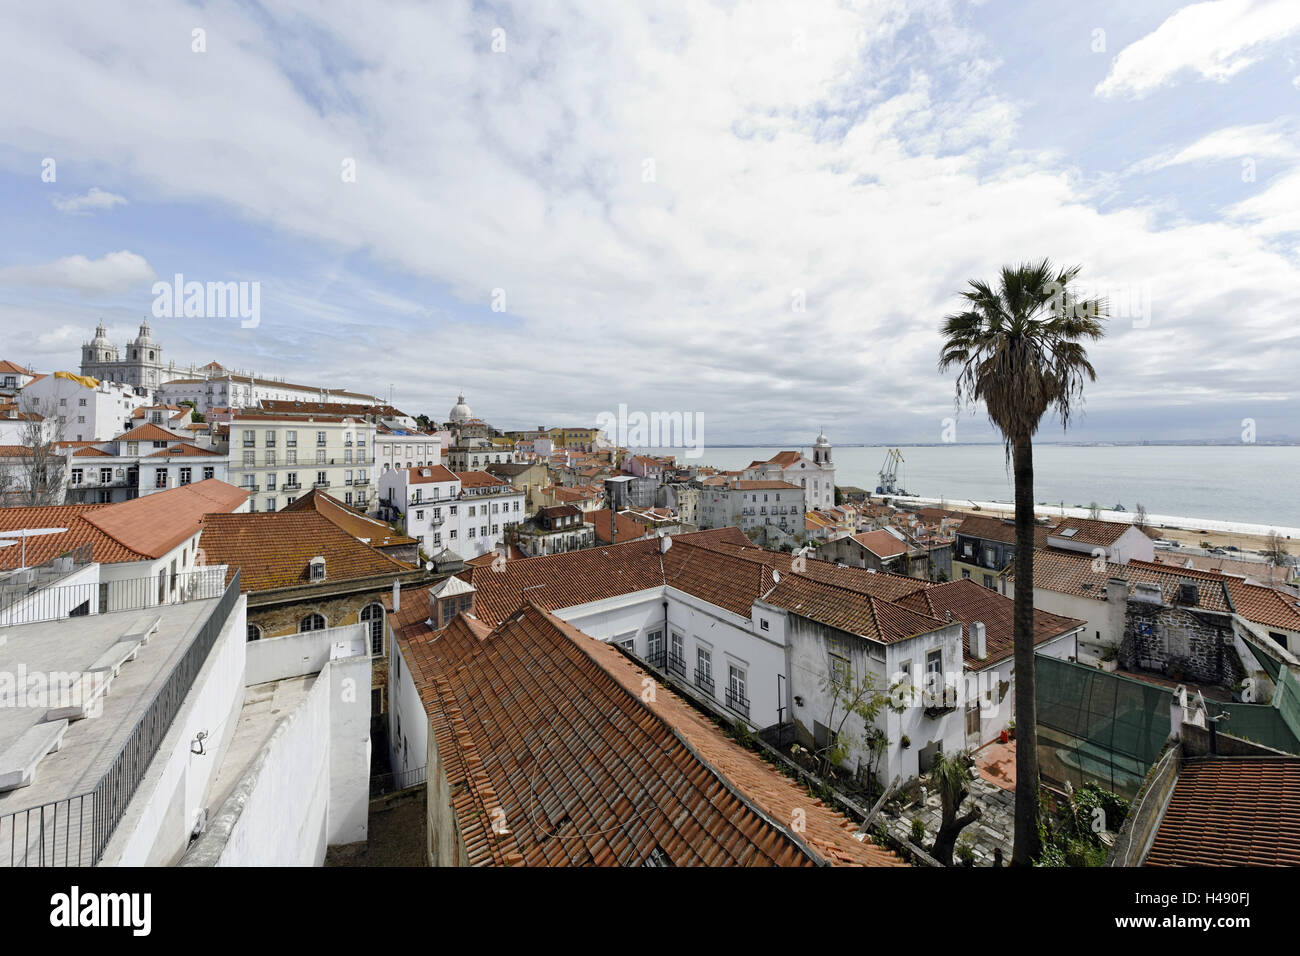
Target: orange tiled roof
{"points": [[365, 529], [133, 530], [1231, 811], [995, 529], [13, 369], [625, 528], [536, 726], [969, 602], [881, 543], [1074, 573], [417, 476], [480, 479], [15, 451], [90, 451], [1101, 533], [182, 451], [148, 432], [273, 550]]}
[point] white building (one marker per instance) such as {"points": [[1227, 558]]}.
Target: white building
{"points": [[468, 512], [276, 457], [407, 448], [84, 411], [142, 461], [263, 757], [475, 456], [771, 506], [816, 475]]}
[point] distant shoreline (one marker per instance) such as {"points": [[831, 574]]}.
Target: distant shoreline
{"points": [[997, 444]]}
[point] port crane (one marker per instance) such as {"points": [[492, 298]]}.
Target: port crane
{"points": [[889, 473]]}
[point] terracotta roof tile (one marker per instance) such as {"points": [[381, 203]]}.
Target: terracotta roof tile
{"points": [[148, 432], [365, 529], [1231, 811], [274, 550], [533, 729]]}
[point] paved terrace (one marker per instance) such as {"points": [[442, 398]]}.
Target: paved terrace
{"points": [[89, 745]]}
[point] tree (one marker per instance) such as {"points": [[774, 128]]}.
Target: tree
{"points": [[38, 476], [951, 776], [851, 698], [1140, 515], [1094, 511], [1274, 548], [1019, 349]]}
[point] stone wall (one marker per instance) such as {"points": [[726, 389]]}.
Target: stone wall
{"points": [[1172, 640], [338, 610]]}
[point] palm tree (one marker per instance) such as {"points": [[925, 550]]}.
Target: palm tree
{"points": [[1018, 349], [951, 776]]}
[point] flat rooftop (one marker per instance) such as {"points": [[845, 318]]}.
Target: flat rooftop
{"points": [[76, 646]]}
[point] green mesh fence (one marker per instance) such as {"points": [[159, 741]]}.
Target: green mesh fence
{"points": [[1275, 724], [1095, 727]]}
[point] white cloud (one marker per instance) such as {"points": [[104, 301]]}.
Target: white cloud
{"points": [[1215, 40], [114, 272], [94, 200], [1276, 140], [862, 156]]}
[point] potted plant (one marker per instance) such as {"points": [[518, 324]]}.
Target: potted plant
{"points": [[1004, 736], [965, 852], [906, 741], [918, 831], [1011, 729]]}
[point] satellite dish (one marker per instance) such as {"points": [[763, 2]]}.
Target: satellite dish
{"points": [[776, 577], [428, 565]]}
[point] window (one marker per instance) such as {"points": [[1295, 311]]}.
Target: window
{"points": [[209, 472], [320, 438], [372, 615], [841, 670], [934, 662], [988, 581], [291, 457], [186, 474], [270, 458], [321, 479], [270, 505], [106, 475], [250, 459], [76, 476], [160, 477], [254, 632], [320, 456], [736, 686], [270, 438], [316, 569], [965, 573], [312, 622], [291, 480], [250, 438], [291, 439], [763, 623]]}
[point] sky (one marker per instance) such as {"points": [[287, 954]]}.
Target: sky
{"points": [[758, 213]]}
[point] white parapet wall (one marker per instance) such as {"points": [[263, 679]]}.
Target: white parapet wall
{"points": [[307, 788]]}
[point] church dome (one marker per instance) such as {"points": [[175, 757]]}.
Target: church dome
{"points": [[145, 338], [460, 411], [822, 441], [101, 337]]}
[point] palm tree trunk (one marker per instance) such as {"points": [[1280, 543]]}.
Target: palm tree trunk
{"points": [[1027, 847]]}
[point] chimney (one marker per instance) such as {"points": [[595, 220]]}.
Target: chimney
{"points": [[978, 644], [397, 596]]}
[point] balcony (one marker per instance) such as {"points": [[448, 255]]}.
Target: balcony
{"points": [[677, 664], [655, 658], [703, 681], [290, 486], [737, 701], [320, 485], [251, 489]]}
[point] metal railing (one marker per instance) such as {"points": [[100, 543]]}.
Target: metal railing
{"points": [[677, 664], [737, 701], [655, 658], [382, 783], [75, 831], [19, 606], [703, 681]]}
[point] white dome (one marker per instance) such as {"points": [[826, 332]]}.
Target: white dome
{"points": [[822, 441], [460, 411], [101, 337], [144, 338]]}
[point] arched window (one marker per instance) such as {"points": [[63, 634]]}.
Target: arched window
{"points": [[372, 615], [312, 622], [254, 632]]}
